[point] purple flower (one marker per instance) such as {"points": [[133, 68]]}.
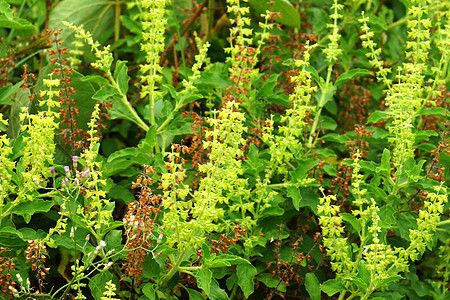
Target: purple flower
{"points": [[75, 159], [52, 170], [67, 169]]}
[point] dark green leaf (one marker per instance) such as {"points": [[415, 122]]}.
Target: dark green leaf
{"points": [[96, 16], [133, 26], [294, 193], [97, 284], [388, 280], [377, 116], [216, 293], [149, 291], [15, 23], [95, 78], [151, 268], [204, 277], [246, 273], [327, 123], [194, 295], [121, 76], [312, 286], [289, 14], [377, 23], [271, 281], [29, 208], [7, 91], [332, 286], [352, 220], [352, 74]]}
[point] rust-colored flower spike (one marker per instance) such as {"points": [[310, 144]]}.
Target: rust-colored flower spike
{"points": [[7, 284], [36, 254], [139, 223]]}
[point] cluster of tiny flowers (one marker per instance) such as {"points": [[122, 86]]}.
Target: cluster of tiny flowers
{"points": [[332, 51], [109, 293], [99, 212], [153, 26], [294, 118], [103, 55], [39, 149], [6, 165]]}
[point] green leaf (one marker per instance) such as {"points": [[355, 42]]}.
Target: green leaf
{"points": [[387, 214], [271, 281], [349, 218], [352, 74], [294, 193], [267, 89], [97, 284], [377, 23], [21, 100], [96, 16], [332, 286], [11, 238], [313, 72], [334, 137], [194, 295], [121, 76], [204, 277], [95, 78], [386, 161], [105, 93], [289, 14], [121, 194], [133, 26], [217, 293], [432, 111], [29, 208], [245, 274], [151, 268], [377, 116], [388, 280], [5, 9], [16, 23], [327, 123], [149, 290], [312, 286], [213, 80], [7, 91]]}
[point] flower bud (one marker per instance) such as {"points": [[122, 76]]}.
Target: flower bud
{"points": [[67, 169]]}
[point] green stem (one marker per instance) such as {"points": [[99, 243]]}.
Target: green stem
{"points": [[124, 100], [175, 268], [321, 104], [443, 223]]}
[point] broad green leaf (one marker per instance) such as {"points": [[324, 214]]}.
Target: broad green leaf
{"points": [[245, 274], [21, 100], [29, 208], [386, 161], [133, 26], [5, 9], [11, 238], [149, 291], [105, 93], [294, 193], [216, 292], [267, 89], [121, 76], [312, 286], [433, 111], [16, 23], [377, 116], [97, 284], [332, 286], [313, 73], [95, 78], [96, 16], [204, 277], [194, 295], [377, 23], [327, 123], [352, 220], [388, 280], [151, 268], [232, 259], [334, 137], [121, 194], [302, 170], [289, 14], [7, 91], [213, 80], [352, 74], [271, 281]]}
